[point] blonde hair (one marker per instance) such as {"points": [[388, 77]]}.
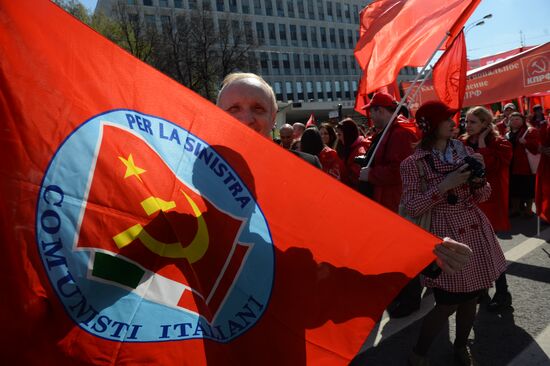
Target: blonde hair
{"points": [[238, 76], [484, 115]]}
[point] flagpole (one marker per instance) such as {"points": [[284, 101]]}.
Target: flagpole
{"points": [[402, 101], [422, 83]]}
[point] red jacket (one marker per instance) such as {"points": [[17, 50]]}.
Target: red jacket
{"points": [[384, 173], [351, 168], [497, 156], [520, 164], [542, 189], [331, 162]]}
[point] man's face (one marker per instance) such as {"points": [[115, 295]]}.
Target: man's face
{"points": [[379, 116], [508, 111], [286, 135], [250, 103]]}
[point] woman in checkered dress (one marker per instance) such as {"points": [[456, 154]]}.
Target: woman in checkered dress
{"points": [[452, 195]]}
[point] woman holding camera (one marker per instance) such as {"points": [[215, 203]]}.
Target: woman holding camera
{"points": [[453, 189], [350, 145]]}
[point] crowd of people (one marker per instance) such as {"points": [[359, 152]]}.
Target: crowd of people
{"points": [[468, 202], [469, 177]]}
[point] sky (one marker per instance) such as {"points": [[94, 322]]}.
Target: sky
{"points": [[499, 33]]}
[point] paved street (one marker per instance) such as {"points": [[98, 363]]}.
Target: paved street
{"points": [[517, 337]]}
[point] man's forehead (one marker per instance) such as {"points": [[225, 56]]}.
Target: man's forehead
{"points": [[248, 84]]}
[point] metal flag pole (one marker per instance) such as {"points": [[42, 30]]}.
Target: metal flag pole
{"points": [[428, 75], [402, 101]]}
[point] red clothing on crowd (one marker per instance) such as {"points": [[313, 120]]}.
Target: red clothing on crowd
{"points": [[497, 156], [502, 128], [542, 189], [351, 168], [463, 221], [520, 163], [331, 162], [384, 173]]}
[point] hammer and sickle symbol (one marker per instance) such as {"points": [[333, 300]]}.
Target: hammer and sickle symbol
{"points": [[192, 252]]}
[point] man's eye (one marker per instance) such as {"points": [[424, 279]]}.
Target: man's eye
{"points": [[233, 109]]}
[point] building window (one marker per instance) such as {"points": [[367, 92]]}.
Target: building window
{"points": [[150, 21], [328, 90], [288, 90], [286, 63], [317, 64], [206, 5], [301, 9], [290, 8], [258, 7], [332, 33], [165, 23], [297, 64], [260, 33], [163, 3], [252, 62], [148, 2], [347, 93], [354, 88], [248, 32], [131, 2], [282, 34], [293, 35], [355, 14], [278, 90], [303, 35], [338, 90], [347, 15], [345, 65], [280, 8], [326, 64], [352, 64], [268, 7], [271, 34], [350, 38], [342, 38], [299, 90], [314, 41], [275, 64], [324, 37], [236, 31], [264, 63], [320, 10], [245, 5], [329, 11], [335, 65], [310, 9], [319, 90], [307, 64], [338, 12], [192, 4], [178, 4], [233, 6], [220, 5], [309, 90]]}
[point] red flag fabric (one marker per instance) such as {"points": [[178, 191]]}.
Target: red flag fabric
{"points": [[311, 121], [398, 33], [139, 225], [449, 73]]}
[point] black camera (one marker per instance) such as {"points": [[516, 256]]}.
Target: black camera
{"points": [[475, 167], [362, 160]]}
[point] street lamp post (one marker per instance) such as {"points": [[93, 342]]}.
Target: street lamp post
{"points": [[477, 23]]}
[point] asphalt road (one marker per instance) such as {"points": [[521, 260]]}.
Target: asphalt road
{"points": [[519, 336]]}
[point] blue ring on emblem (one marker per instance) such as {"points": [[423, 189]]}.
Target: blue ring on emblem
{"points": [[115, 313]]}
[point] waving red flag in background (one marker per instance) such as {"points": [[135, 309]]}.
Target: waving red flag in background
{"points": [[399, 33], [139, 225], [449, 74], [311, 121]]}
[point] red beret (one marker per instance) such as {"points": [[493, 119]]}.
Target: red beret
{"points": [[433, 113]]}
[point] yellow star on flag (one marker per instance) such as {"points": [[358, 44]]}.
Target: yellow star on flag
{"points": [[131, 168]]}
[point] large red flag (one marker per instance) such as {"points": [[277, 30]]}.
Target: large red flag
{"points": [[449, 74], [139, 224], [398, 33]]}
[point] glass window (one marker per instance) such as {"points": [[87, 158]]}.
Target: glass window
{"points": [[260, 33], [347, 93], [271, 33], [278, 90], [350, 38], [319, 90], [233, 6], [299, 90], [310, 9], [309, 90], [286, 63], [347, 15], [282, 34], [248, 32], [236, 31], [268, 7], [297, 64], [342, 38], [324, 37], [131, 2], [148, 2], [264, 63], [329, 11], [245, 5], [293, 35], [178, 4], [355, 14], [303, 35], [288, 90], [206, 5], [163, 3], [338, 90], [328, 89], [326, 64], [307, 64], [317, 64], [320, 10], [290, 8], [335, 65], [192, 4], [301, 9], [252, 62], [352, 64], [280, 8], [332, 33], [165, 23], [258, 7], [220, 5], [338, 12], [150, 21], [314, 41], [275, 64], [345, 64], [354, 88]]}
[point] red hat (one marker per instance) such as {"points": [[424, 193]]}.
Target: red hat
{"points": [[432, 113], [381, 99]]}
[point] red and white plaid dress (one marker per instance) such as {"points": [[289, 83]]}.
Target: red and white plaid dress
{"points": [[463, 221]]}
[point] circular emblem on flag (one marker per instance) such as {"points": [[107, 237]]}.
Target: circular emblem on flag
{"points": [[149, 234]]}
